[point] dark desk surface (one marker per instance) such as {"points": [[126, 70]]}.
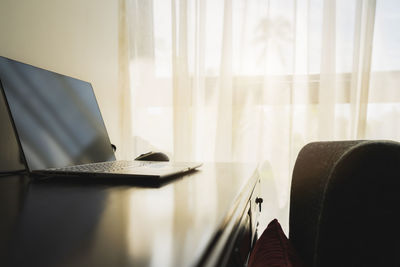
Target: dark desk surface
{"points": [[77, 224]]}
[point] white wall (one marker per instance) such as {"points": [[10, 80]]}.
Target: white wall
{"points": [[78, 38]]}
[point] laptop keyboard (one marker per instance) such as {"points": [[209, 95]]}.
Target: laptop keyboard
{"points": [[104, 167]]}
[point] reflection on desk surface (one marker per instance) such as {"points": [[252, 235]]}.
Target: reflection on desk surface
{"points": [[72, 224]]}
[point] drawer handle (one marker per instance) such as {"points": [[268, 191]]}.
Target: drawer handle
{"points": [[259, 201]]}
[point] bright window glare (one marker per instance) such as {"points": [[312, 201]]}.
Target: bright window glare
{"points": [[265, 35], [267, 57], [386, 46]]}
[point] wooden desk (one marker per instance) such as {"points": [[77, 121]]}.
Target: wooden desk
{"points": [[206, 218]]}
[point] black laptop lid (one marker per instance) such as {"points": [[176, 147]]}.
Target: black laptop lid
{"points": [[56, 117]]}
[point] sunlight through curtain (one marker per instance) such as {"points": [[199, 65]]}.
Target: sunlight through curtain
{"points": [[255, 80]]}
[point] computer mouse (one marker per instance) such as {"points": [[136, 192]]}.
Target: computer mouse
{"points": [[153, 156]]}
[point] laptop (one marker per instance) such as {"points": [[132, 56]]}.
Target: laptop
{"points": [[60, 129]]}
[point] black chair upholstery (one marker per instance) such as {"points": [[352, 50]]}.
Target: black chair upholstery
{"points": [[345, 204]]}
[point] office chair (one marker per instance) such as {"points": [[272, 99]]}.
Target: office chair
{"points": [[345, 204]]}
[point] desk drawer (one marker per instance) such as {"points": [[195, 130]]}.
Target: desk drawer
{"points": [[243, 241]]}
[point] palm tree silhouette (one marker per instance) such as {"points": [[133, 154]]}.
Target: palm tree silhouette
{"points": [[274, 32]]}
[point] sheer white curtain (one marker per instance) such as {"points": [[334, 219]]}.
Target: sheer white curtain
{"points": [[255, 80]]}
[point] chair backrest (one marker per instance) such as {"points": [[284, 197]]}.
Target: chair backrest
{"points": [[345, 204]]}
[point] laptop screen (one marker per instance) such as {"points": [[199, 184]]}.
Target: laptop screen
{"points": [[56, 117]]}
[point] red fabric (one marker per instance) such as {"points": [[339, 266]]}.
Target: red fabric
{"points": [[274, 249]]}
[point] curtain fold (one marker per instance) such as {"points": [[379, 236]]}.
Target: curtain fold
{"points": [[223, 133], [255, 80], [123, 81], [362, 65], [327, 80]]}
